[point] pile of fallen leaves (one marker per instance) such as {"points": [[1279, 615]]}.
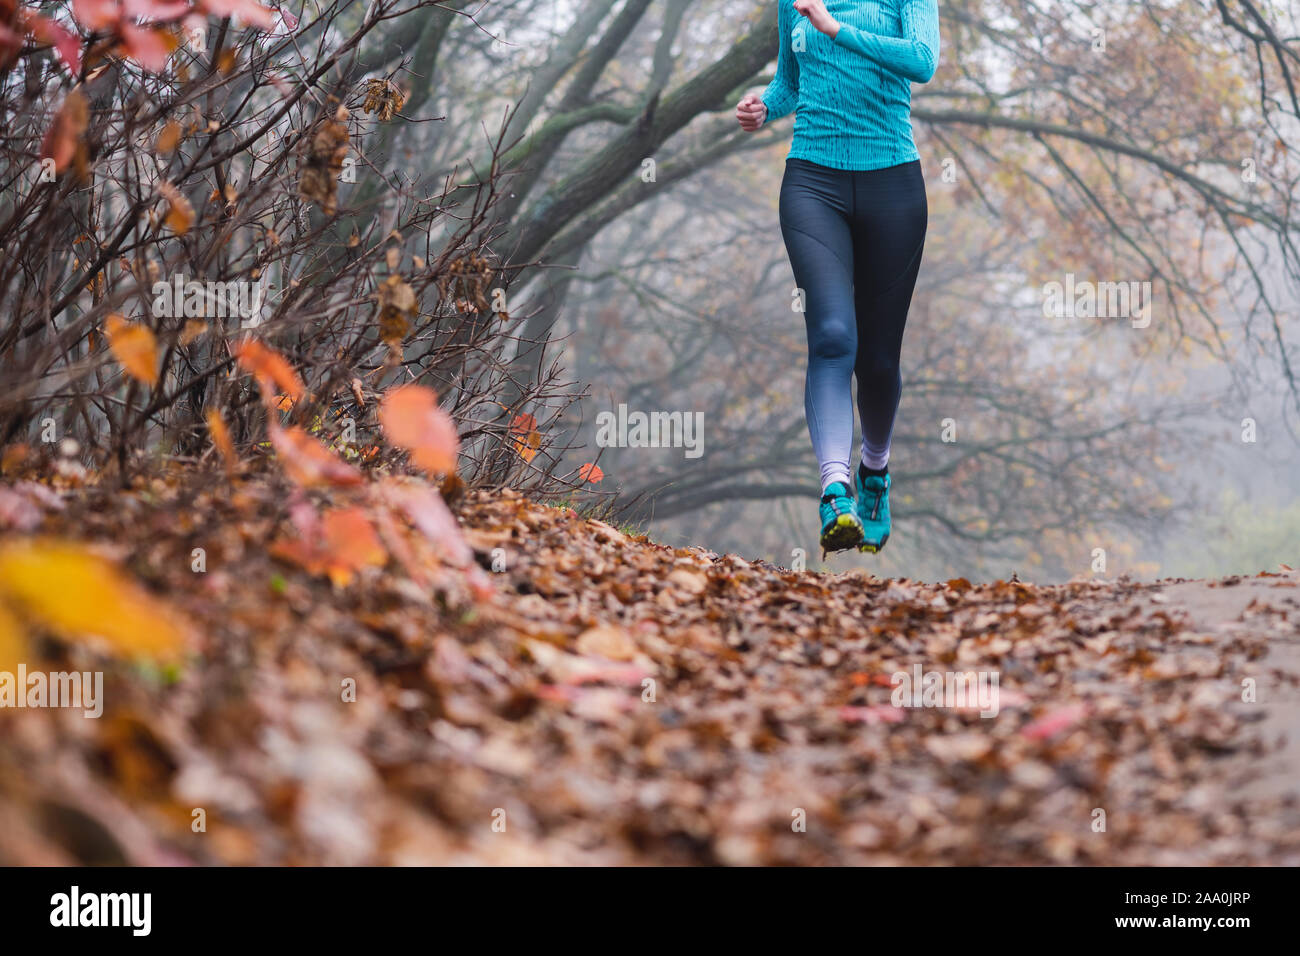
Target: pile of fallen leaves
{"points": [[304, 663], [606, 699]]}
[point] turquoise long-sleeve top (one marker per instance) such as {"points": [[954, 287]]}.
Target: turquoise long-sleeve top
{"points": [[852, 95]]}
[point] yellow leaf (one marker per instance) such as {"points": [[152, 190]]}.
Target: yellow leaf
{"points": [[13, 643], [76, 594], [135, 347]]}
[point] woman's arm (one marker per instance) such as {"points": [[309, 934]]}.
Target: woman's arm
{"points": [[912, 56], [782, 93]]}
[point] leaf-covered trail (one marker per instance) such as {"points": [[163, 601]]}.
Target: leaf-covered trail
{"points": [[617, 701]]}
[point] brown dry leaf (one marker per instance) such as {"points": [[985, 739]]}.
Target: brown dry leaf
{"points": [[63, 141], [134, 346], [396, 308], [609, 642], [323, 162], [383, 97], [690, 580], [169, 138]]}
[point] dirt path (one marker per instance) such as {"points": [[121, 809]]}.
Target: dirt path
{"points": [[1246, 605], [617, 701]]}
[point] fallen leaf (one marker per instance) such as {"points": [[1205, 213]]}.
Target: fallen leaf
{"points": [[612, 643]]}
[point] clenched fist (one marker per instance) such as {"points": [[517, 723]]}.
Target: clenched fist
{"points": [[818, 16], [750, 112]]}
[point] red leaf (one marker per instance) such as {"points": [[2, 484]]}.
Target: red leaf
{"points": [[157, 10], [151, 48], [60, 37]]}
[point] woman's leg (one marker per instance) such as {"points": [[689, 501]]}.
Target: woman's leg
{"points": [[815, 226], [890, 214]]}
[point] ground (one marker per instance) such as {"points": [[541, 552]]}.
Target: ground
{"points": [[581, 696]]}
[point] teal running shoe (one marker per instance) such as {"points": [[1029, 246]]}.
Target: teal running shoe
{"points": [[841, 529], [873, 510]]}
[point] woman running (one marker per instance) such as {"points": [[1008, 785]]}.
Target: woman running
{"points": [[853, 216]]}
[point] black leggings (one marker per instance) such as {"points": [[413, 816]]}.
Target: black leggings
{"points": [[855, 241]]}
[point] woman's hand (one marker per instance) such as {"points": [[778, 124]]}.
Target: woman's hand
{"points": [[818, 16], [750, 112]]}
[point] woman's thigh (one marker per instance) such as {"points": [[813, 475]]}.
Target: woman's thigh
{"points": [[819, 240]]}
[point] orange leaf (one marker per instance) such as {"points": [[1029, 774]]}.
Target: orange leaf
{"points": [[412, 420], [221, 438], [134, 346], [307, 461], [528, 447], [180, 214], [271, 369], [590, 472], [342, 544], [351, 544]]}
